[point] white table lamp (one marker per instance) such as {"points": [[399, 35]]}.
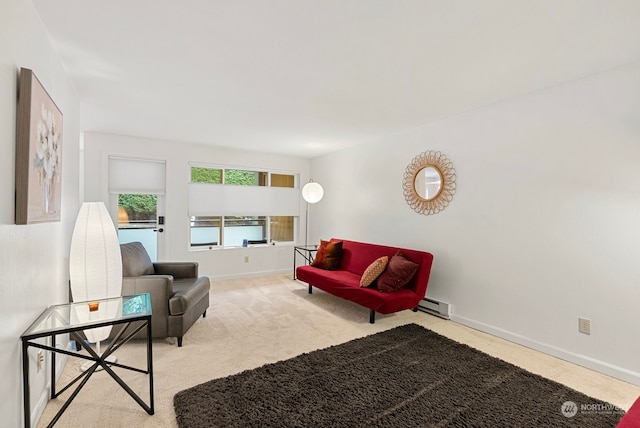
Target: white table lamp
{"points": [[95, 263]]}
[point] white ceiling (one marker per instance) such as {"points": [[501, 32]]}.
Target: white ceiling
{"points": [[306, 77]]}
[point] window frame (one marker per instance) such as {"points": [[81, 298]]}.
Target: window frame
{"points": [[264, 179]]}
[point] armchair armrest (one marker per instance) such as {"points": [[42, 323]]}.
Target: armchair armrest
{"points": [[178, 270], [160, 288]]}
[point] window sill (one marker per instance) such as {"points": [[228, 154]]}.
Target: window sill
{"points": [[218, 247]]}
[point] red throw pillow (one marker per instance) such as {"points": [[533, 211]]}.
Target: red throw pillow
{"points": [[398, 273], [329, 255]]}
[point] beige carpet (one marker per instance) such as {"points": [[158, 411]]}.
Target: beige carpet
{"points": [[253, 321]]}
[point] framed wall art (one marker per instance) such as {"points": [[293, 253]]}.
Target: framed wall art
{"points": [[38, 153]]}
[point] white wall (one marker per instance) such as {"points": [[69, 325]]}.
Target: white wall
{"points": [[217, 263], [545, 224], [33, 258]]}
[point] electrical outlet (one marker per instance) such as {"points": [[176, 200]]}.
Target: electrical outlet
{"points": [[584, 326], [39, 361], [246, 259]]}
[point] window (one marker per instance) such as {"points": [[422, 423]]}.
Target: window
{"points": [[245, 178], [281, 228], [136, 190], [229, 206], [205, 231], [238, 177], [137, 221], [251, 228], [282, 180], [206, 175]]}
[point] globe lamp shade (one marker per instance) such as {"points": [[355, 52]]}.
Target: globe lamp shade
{"points": [[312, 192]]}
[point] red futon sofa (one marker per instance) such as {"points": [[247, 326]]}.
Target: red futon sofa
{"points": [[356, 257], [631, 419]]}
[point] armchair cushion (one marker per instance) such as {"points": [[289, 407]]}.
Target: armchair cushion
{"points": [[135, 260]]}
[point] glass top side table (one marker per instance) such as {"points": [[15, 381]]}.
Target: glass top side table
{"points": [[73, 317], [79, 315]]}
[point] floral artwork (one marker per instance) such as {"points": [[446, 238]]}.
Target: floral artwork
{"points": [[38, 154], [47, 159]]}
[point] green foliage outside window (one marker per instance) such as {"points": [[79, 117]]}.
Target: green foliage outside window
{"points": [[206, 175], [241, 178], [231, 176], [139, 207]]}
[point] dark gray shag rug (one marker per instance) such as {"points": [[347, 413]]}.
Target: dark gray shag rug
{"points": [[405, 377]]}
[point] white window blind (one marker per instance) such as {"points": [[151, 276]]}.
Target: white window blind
{"points": [[138, 176], [220, 199]]}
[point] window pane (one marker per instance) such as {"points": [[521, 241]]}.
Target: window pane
{"points": [[206, 175], [205, 231], [281, 228], [251, 228], [282, 180], [137, 221], [245, 178]]}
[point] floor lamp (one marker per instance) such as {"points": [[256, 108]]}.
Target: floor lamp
{"points": [[95, 266], [312, 193]]}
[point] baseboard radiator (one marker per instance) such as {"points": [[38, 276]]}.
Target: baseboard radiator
{"points": [[435, 307]]}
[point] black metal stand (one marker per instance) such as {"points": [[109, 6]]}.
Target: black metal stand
{"points": [[307, 253], [98, 360]]}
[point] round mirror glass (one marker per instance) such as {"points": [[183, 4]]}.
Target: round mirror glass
{"points": [[428, 183]]}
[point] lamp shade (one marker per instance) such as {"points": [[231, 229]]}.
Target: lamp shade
{"points": [[312, 192], [95, 263]]}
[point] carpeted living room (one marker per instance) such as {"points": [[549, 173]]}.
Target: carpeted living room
{"points": [[499, 137], [263, 320]]}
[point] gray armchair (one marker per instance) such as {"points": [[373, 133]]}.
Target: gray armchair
{"points": [[178, 295]]}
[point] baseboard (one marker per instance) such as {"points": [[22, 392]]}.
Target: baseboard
{"points": [[581, 360], [251, 274], [43, 399], [38, 409]]}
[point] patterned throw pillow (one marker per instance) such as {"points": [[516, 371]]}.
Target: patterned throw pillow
{"points": [[398, 273], [373, 271], [329, 255]]}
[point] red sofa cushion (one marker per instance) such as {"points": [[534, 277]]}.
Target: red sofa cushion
{"points": [[345, 284]]}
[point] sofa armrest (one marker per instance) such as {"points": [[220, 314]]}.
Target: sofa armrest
{"points": [[178, 270]]}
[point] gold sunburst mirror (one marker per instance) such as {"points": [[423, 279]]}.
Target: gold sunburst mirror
{"points": [[429, 182]]}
